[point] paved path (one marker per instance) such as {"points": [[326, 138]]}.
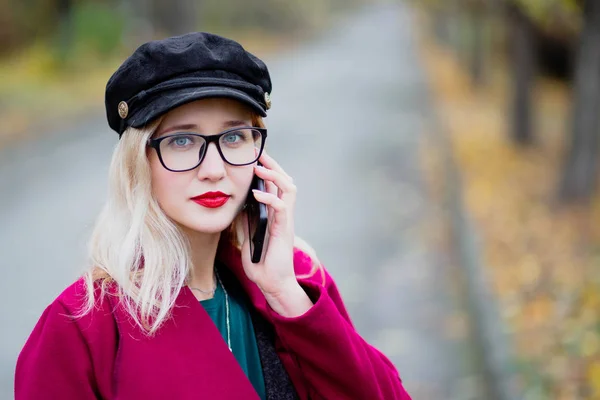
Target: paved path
{"points": [[349, 111]]}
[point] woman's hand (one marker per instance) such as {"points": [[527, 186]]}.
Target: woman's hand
{"points": [[274, 274]]}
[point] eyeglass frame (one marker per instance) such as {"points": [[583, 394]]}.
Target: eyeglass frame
{"points": [[155, 144]]}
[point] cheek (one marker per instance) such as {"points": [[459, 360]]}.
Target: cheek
{"points": [[242, 177], [164, 183]]}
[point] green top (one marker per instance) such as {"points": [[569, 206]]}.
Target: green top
{"points": [[243, 338]]}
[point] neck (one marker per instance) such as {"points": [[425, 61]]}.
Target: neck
{"points": [[203, 251]]}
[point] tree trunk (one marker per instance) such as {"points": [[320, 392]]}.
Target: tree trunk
{"points": [[454, 15], [441, 20], [581, 166], [65, 31], [524, 72], [477, 36]]}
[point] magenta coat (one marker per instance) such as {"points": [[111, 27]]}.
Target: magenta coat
{"points": [[103, 355]]}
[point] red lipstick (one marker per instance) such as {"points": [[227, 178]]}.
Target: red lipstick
{"points": [[211, 199]]}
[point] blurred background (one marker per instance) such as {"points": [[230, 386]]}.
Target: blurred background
{"points": [[446, 154]]}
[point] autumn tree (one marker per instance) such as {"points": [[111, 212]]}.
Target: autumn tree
{"points": [[581, 165], [523, 72]]}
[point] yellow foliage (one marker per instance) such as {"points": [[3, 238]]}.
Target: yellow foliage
{"points": [[593, 376], [590, 344], [554, 15]]}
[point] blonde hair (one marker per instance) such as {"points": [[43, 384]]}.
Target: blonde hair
{"points": [[136, 246]]}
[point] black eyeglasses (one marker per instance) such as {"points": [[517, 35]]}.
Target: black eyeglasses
{"points": [[184, 151]]}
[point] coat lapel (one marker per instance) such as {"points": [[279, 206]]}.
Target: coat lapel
{"points": [[187, 355]]}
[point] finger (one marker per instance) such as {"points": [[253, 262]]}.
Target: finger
{"points": [[270, 187], [270, 163], [278, 205], [285, 185]]}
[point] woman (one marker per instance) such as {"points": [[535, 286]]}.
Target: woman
{"points": [[173, 307]]}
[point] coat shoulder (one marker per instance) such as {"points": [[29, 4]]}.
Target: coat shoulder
{"points": [[90, 339], [91, 314], [75, 296]]}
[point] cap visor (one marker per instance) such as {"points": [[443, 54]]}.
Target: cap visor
{"points": [[169, 100]]}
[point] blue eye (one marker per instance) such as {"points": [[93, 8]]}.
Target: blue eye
{"points": [[232, 137], [179, 141], [237, 138]]}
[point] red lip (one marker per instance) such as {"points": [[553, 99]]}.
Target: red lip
{"points": [[211, 199]]}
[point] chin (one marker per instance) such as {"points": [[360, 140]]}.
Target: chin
{"points": [[209, 223]]}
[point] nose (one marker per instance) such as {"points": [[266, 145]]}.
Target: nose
{"points": [[212, 167]]}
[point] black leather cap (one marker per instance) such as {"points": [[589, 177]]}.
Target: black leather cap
{"points": [[163, 74]]}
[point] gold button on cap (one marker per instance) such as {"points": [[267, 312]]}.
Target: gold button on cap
{"points": [[268, 100], [123, 109]]}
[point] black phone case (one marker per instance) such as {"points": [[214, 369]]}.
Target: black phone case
{"points": [[257, 220]]}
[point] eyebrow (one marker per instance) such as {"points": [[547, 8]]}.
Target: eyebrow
{"points": [[194, 127]]}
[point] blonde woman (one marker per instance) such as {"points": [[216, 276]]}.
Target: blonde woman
{"points": [[173, 307]]}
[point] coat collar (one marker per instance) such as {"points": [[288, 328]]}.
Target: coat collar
{"points": [[277, 381], [140, 356]]}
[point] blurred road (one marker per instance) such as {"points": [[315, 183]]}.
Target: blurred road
{"points": [[349, 111]]}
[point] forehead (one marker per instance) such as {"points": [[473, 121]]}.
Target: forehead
{"points": [[207, 113]]}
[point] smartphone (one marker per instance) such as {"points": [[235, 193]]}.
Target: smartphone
{"points": [[257, 220]]}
